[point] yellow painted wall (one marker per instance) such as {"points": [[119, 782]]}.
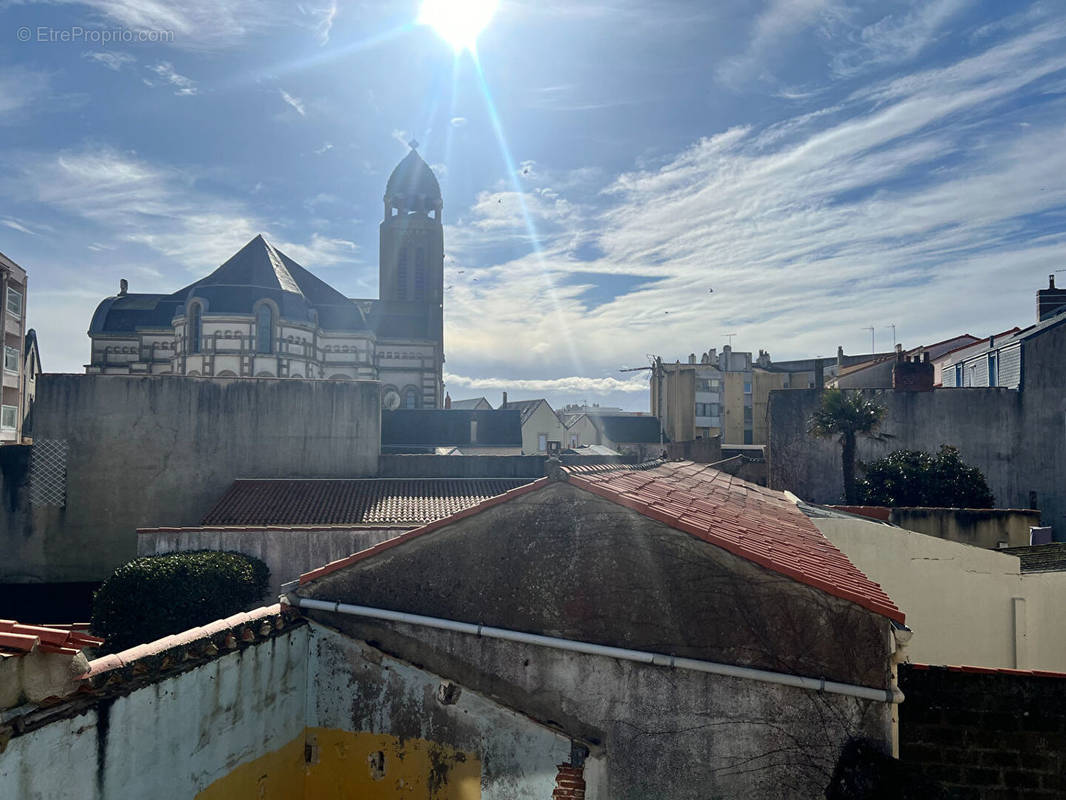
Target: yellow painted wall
{"points": [[733, 407], [347, 765], [762, 383]]}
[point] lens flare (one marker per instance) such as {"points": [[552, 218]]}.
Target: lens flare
{"points": [[458, 22]]}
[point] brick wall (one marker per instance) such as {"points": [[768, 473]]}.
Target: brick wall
{"points": [[985, 734], [569, 783]]}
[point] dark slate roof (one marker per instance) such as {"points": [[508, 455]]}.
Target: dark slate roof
{"points": [[411, 430], [1049, 557], [255, 272], [524, 407], [628, 428], [364, 501], [472, 403], [413, 177]]}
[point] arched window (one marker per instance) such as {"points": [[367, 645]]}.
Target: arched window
{"points": [[401, 274], [410, 399], [420, 274], [196, 327], [264, 329]]}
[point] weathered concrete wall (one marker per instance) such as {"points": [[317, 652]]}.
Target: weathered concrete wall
{"points": [[965, 604], [981, 527], [168, 739], [289, 552], [985, 736], [159, 450], [357, 688], [16, 524], [663, 733], [1017, 439], [307, 714]]}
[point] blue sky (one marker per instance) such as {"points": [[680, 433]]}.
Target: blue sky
{"points": [[824, 166]]}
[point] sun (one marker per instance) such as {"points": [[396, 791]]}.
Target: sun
{"points": [[458, 22]]}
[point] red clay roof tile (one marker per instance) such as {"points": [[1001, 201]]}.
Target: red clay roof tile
{"points": [[16, 639]]}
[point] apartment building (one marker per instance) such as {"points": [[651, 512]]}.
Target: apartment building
{"points": [[13, 325]]}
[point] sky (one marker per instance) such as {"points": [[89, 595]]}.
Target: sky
{"points": [[621, 179]]}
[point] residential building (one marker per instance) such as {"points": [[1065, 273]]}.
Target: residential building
{"points": [[725, 394], [13, 283], [541, 427], [877, 372], [629, 434], [31, 371], [261, 314]]}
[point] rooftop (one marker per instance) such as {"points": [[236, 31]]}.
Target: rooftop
{"points": [[1049, 557], [360, 501], [17, 639], [752, 522]]}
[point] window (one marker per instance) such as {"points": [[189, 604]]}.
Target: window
{"points": [[401, 275], [542, 442], [264, 329], [8, 418], [14, 302], [195, 328], [573, 440], [420, 274], [11, 359], [993, 371], [708, 384], [958, 375], [747, 387], [747, 415], [410, 399], [748, 437]]}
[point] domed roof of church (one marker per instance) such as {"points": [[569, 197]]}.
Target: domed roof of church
{"points": [[413, 177]]}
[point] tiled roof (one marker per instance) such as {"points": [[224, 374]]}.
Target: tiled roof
{"points": [[366, 501], [755, 523], [1024, 673], [1049, 557], [205, 642], [748, 520], [16, 639]]}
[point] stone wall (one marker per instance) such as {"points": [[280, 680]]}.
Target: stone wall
{"points": [[981, 527], [142, 451], [985, 736]]}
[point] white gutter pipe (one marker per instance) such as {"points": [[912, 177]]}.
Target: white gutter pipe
{"points": [[640, 656]]}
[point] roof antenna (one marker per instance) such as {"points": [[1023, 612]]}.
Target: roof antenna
{"points": [[413, 144]]}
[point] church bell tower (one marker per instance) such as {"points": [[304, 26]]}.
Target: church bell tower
{"points": [[411, 255]]}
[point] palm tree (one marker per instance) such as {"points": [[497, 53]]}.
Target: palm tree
{"points": [[847, 416]]}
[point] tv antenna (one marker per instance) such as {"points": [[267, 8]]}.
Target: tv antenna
{"points": [[892, 325], [730, 337], [873, 338]]}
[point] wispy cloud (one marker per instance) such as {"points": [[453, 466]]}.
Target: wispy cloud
{"points": [[15, 225], [294, 102], [20, 90], [109, 58], [182, 85]]}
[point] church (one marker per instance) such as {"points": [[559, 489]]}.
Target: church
{"points": [[262, 315]]}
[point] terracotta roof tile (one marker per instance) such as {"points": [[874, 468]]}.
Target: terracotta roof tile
{"points": [[749, 521], [366, 501], [16, 639], [1025, 673]]}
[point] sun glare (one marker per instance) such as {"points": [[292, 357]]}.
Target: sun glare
{"points": [[458, 22]]}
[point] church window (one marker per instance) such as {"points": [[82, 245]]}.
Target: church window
{"points": [[264, 329], [401, 274], [195, 328], [420, 274], [410, 399]]}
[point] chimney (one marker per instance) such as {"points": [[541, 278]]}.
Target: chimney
{"points": [[504, 400], [691, 358], [447, 400], [1049, 301], [840, 356], [123, 287], [819, 373]]}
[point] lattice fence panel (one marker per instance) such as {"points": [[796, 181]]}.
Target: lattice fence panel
{"points": [[48, 472]]}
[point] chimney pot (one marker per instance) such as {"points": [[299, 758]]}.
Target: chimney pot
{"points": [[504, 400], [123, 286]]}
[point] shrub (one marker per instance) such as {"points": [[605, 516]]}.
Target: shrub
{"points": [[153, 597], [914, 478]]}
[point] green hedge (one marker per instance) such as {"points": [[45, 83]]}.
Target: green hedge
{"points": [[156, 596]]}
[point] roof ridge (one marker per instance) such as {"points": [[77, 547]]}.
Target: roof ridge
{"points": [[284, 278]]}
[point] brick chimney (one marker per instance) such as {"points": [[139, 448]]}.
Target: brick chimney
{"points": [[1049, 300], [912, 375]]}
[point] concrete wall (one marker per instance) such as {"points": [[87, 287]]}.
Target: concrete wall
{"points": [[985, 736], [1017, 439], [171, 738], [965, 604], [160, 450], [289, 552], [981, 527], [307, 714]]}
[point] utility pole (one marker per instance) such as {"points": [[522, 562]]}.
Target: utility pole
{"points": [[656, 370], [873, 339]]}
